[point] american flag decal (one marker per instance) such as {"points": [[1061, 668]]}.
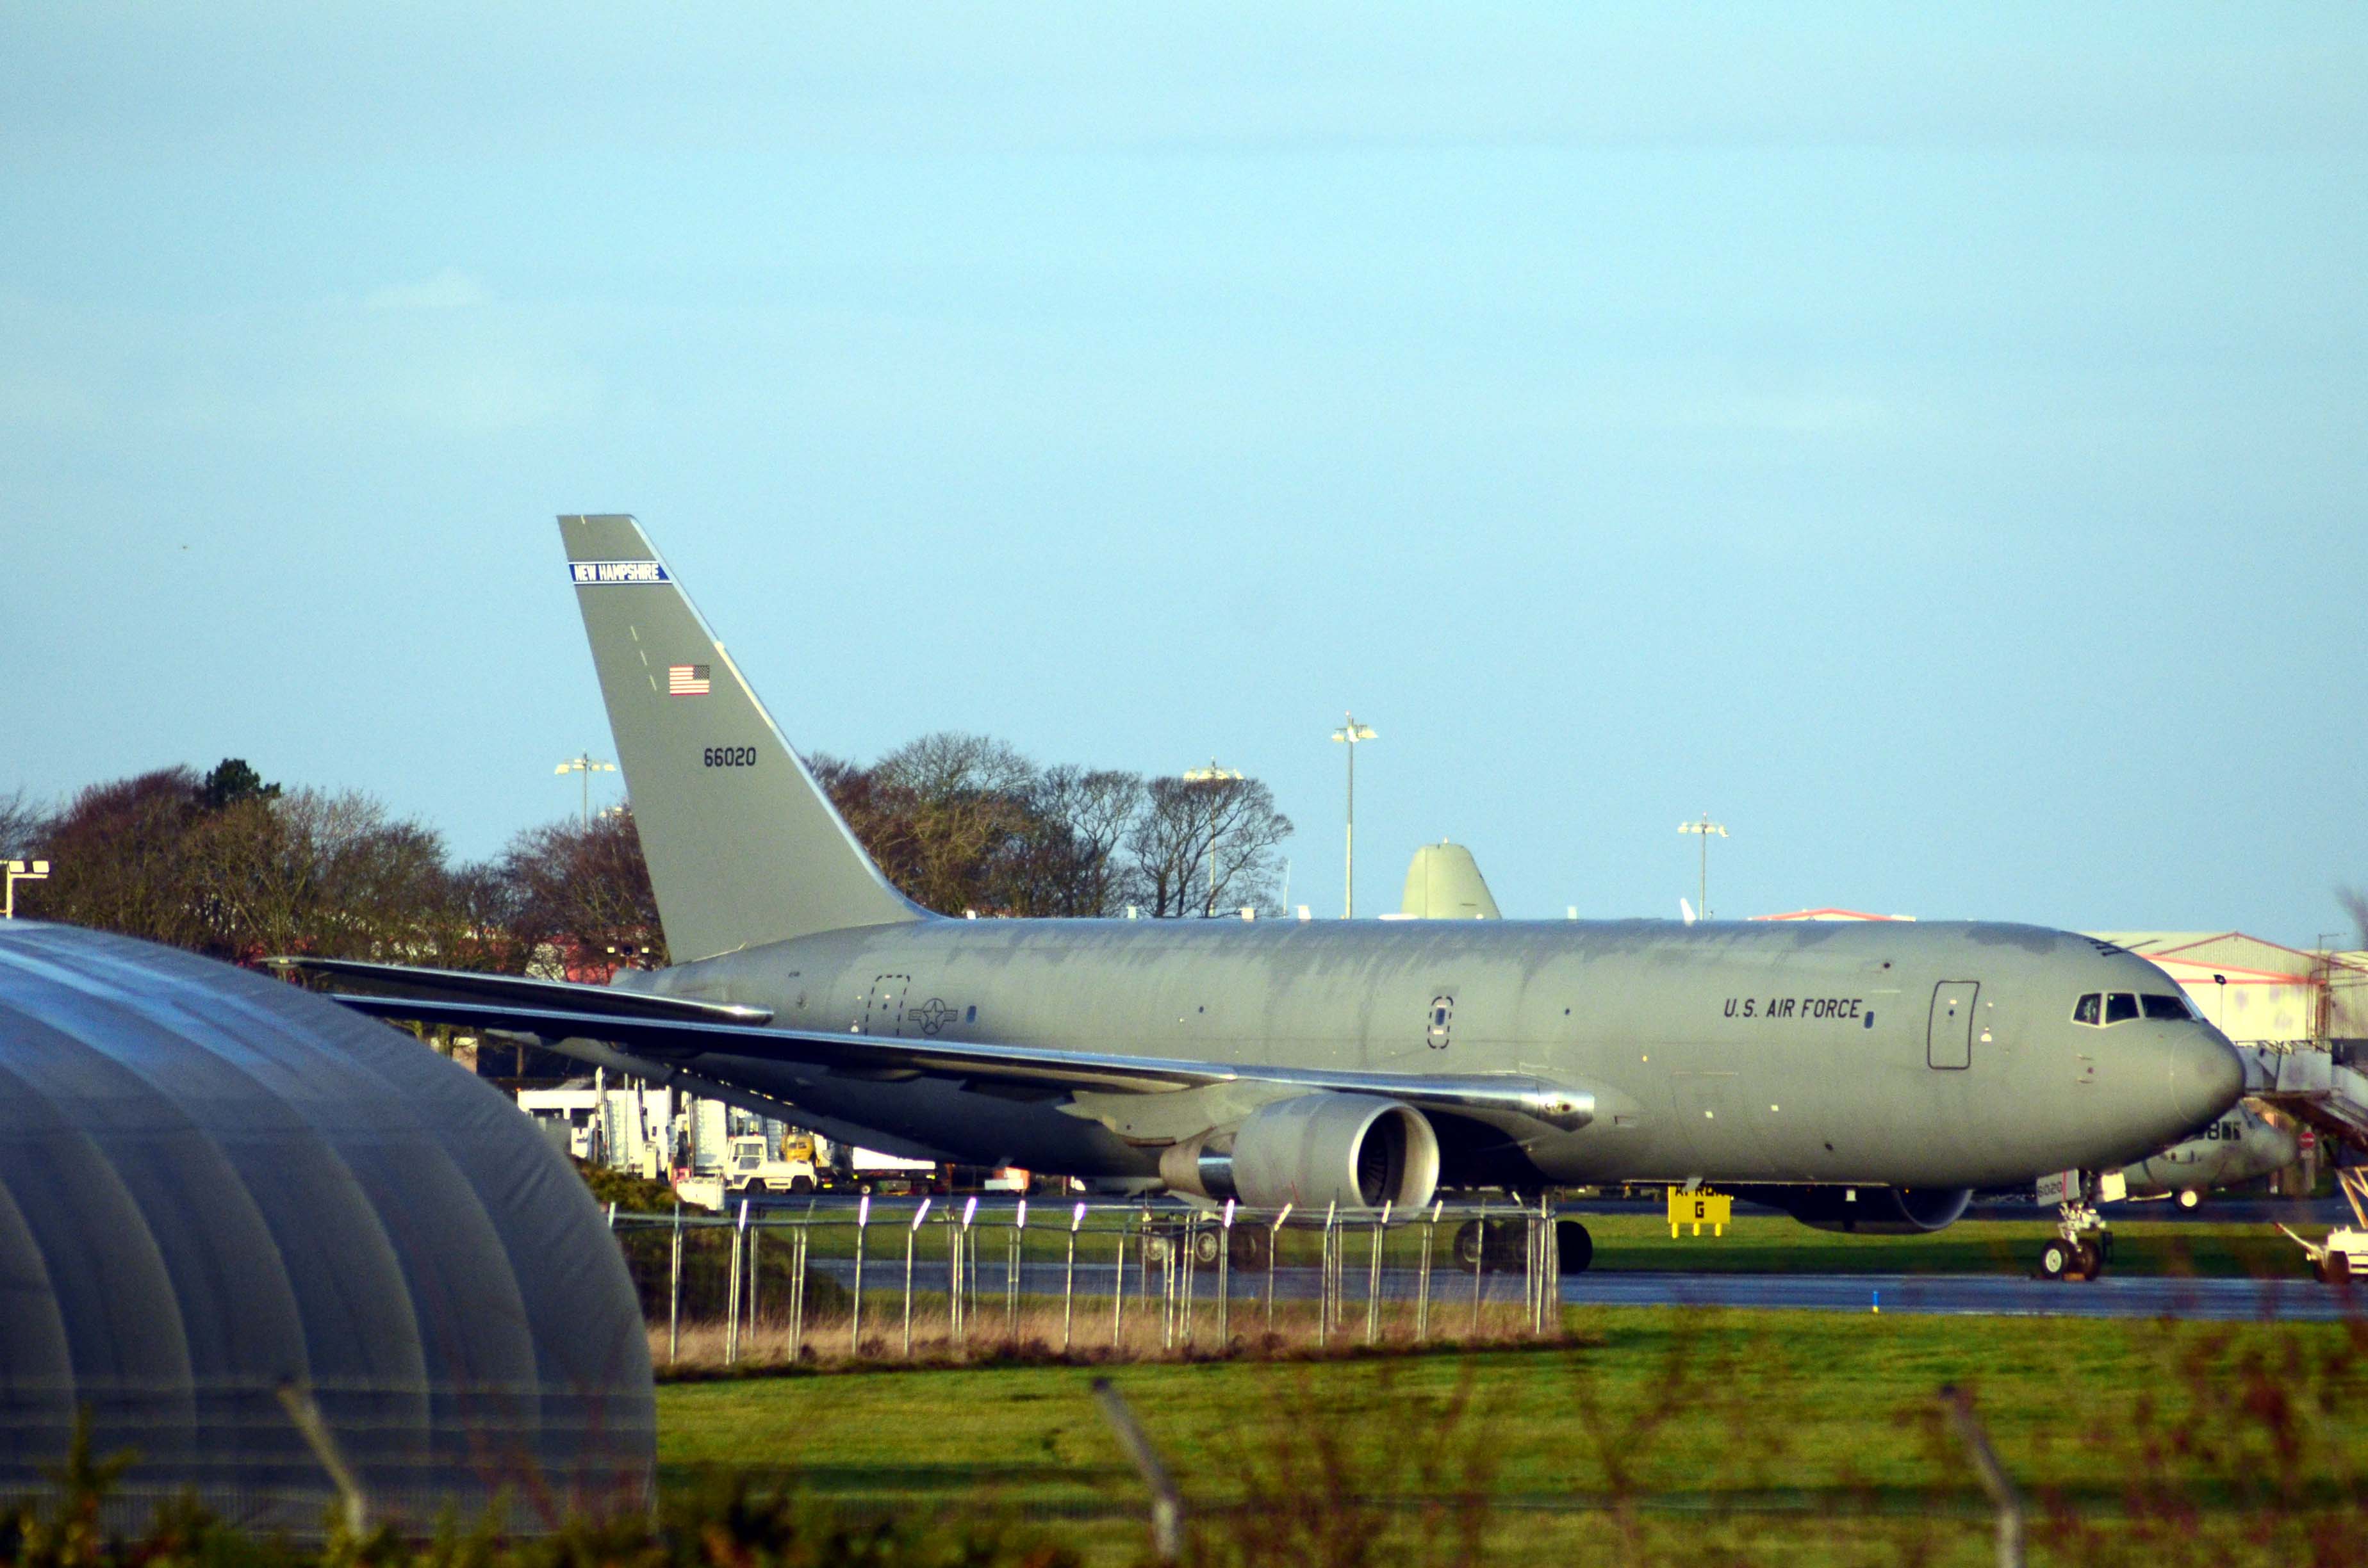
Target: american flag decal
{"points": [[685, 680]]}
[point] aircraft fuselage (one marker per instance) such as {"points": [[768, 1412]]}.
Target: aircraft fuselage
{"points": [[1940, 1055]]}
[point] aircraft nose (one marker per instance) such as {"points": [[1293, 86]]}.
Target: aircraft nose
{"points": [[2206, 1075]]}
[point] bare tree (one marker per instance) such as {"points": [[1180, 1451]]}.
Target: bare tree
{"points": [[319, 872], [585, 891], [119, 860], [1206, 845], [2355, 903], [1075, 865], [23, 825], [949, 765]]}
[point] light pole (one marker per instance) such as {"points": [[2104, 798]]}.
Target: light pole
{"points": [[1210, 775], [588, 766], [21, 871], [1349, 735], [1704, 827]]}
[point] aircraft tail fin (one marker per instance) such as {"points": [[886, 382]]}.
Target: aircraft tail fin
{"points": [[742, 846]]}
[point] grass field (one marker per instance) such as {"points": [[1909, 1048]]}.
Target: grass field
{"points": [[1656, 1435]]}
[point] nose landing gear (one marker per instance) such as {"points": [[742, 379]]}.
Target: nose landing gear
{"points": [[2083, 1243]]}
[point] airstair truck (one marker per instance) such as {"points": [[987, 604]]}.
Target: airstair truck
{"points": [[2323, 1089]]}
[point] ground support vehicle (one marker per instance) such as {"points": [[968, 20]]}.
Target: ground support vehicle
{"points": [[750, 1168], [2343, 1256]]}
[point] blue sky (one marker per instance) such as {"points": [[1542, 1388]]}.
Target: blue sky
{"points": [[1929, 442]]}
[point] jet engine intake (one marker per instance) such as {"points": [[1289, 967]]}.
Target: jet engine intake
{"points": [[1359, 1150], [1874, 1210]]}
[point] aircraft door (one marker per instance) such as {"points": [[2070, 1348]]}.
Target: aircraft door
{"points": [[883, 1010], [1948, 1042]]}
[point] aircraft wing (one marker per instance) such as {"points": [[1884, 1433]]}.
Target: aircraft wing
{"points": [[670, 1032], [515, 990]]}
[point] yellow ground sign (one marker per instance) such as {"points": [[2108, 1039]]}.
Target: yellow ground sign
{"points": [[1698, 1209]]}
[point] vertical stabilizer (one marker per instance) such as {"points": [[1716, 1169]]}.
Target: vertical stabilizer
{"points": [[742, 846], [1444, 884]]}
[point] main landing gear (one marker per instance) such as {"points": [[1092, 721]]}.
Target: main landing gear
{"points": [[1494, 1246], [2083, 1243]]}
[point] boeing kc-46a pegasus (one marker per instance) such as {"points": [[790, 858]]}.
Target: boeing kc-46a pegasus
{"points": [[1863, 1074]]}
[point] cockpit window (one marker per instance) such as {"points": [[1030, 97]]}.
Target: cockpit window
{"points": [[2085, 1011], [2167, 1007], [2121, 1007]]}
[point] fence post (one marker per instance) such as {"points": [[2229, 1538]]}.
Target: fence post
{"points": [[799, 1248], [1194, 1225], [965, 1273], [1274, 1250], [1422, 1280], [1529, 1271], [1171, 1267], [1167, 1502], [731, 1291], [1011, 1275], [1549, 1265], [755, 1276], [1118, 1287], [305, 1414], [1373, 1278], [673, 1291], [1323, 1277], [912, 1235], [1225, 1280], [2003, 1491], [1069, 1277], [855, 1315], [1479, 1261], [970, 1270]]}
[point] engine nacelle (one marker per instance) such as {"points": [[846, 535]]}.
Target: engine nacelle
{"points": [[1876, 1211], [1359, 1150]]}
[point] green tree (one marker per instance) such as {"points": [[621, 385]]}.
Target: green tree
{"points": [[233, 781]]}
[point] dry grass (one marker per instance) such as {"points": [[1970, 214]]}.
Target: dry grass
{"points": [[1037, 1334]]}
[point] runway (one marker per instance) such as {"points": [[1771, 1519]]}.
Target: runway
{"points": [[1977, 1295]]}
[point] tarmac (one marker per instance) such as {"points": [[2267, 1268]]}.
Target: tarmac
{"points": [[1977, 1295], [2299, 1300]]}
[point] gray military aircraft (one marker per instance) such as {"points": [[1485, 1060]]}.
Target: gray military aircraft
{"points": [[1862, 1076], [2242, 1145]]}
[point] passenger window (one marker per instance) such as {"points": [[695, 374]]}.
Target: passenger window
{"points": [[2121, 1007], [2166, 1008], [2086, 1010]]}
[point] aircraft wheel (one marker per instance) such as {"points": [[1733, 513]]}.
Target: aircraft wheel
{"points": [[1492, 1250], [2057, 1259], [2093, 1260], [1574, 1248], [2189, 1198], [1252, 1247], [1206, 1244]]}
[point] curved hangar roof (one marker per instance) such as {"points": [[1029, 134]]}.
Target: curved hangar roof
{"points": [[212, 1184]]}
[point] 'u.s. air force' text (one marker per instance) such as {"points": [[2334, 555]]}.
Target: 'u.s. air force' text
{"points": [[1780, 1008]]}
